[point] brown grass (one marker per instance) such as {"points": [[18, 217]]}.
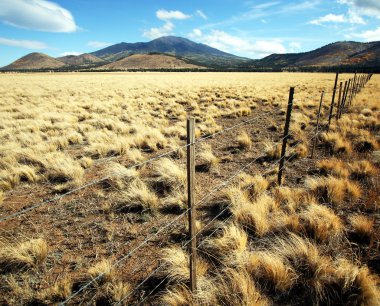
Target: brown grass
{"points": [[22, 255]]}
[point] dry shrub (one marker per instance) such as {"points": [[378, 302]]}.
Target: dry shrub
{"points": [[139, 196], [336, 143], [313, 269], [229, 246], [321, 222], [62, 169], [362, 226], [333, 190], [290, 199], [102, 271], [272, 151], [362, 170], [177, 296], [118, 176], [167, 175], [206, 160], [300, 151], [22, 255], [176, 202], [357, 285], [236, 288], [86, 162], [334, 167], [256, 217], [269, 269], [118, 291], [255, 185], [176, 263], [60, 291], [244, 141], [230, 199]]}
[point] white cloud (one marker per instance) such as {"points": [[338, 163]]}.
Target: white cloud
{"points": [[201, 14], [196, 33], [354, 17], [26, 44], [168, 26], [369, 35], [40, 15], [294, 47], [165, 30], [168, 15], [364, 7], [241, 46], [98, 44], [329, 18], [70, 53]]}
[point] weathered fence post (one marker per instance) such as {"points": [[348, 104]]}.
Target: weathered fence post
{"points": [[343, 98], [339, 101], [286, 134], [317, 128], [332, 100], [190, 200]]}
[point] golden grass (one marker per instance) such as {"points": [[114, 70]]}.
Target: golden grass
{"points": [[139, 196], [206, 160], [236, 288], [256, 216], [229, 246], [333, 190], [176, 263], [103, 271], [244, 141], [119, 177], [334, 167], [22, 255], [321, 222], [362, 226], [270, 269], [337, 143], [362, 170], [168, 175]]}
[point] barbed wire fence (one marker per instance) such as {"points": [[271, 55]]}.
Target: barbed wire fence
{"points": [[346, 95]]}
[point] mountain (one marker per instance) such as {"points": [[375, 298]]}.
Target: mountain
{"points": [[172, 52], [80, 60], [172, 45], [149, 61], [347, 53], [35, 61]]}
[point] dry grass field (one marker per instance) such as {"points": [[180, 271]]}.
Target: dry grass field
{"points": [[314, 240]]}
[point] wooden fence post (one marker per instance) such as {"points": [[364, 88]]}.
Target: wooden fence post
{"points": [[286, 134], [332, 100], [346, 96], [317, 128], [343, 98], [190, 200], [339, 101]]}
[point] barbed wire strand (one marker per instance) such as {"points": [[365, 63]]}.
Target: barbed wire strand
{"points": [[97, 181], [220, 186]]}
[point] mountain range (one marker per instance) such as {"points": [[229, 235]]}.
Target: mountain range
{"points": [[172, 52]]}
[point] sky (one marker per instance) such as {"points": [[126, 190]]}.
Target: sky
{"points": [[251, 29]]}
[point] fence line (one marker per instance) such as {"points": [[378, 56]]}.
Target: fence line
{"points": [[225, 183], [97, 181], [354, 89]]}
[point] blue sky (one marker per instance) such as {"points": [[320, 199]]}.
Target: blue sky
{"points": [[247, 28]]}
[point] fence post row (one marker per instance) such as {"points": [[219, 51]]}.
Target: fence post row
{"points": [[332, 100], [286, 135], [317, 128], [191, 201]]}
